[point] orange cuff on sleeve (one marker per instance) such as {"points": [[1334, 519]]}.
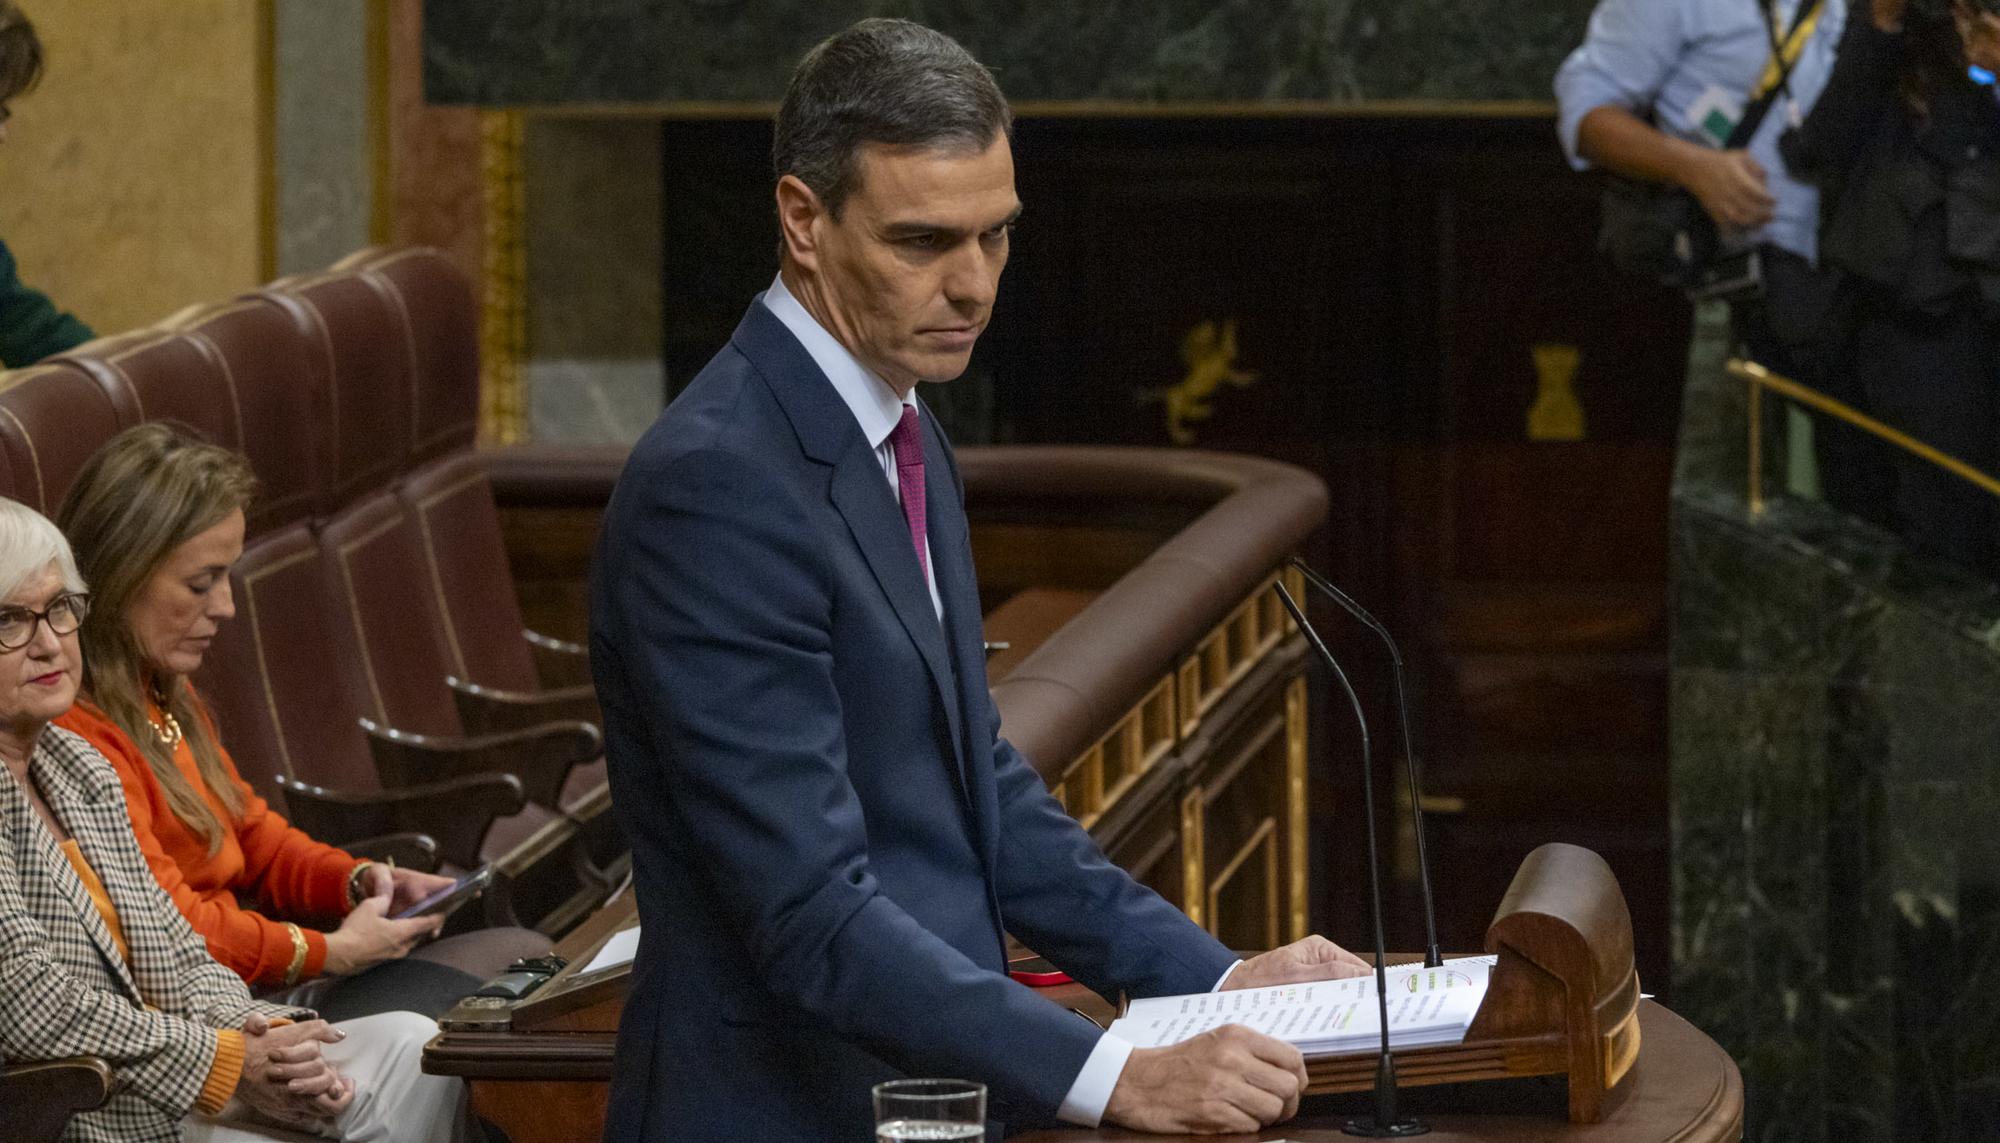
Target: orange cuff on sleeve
{"points": [[223, 1074], [315, 953]]}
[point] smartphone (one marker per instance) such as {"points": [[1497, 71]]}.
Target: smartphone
{"points": [[1036, 972], [451, 896]]}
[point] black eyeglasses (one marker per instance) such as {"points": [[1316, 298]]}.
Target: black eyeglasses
{"points": [[64, 615]]}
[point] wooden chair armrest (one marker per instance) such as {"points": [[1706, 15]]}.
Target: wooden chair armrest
{"points": [[540, 756], [40, 1097], [559, 663], [456, 811], [487, 710], [416, 851]]}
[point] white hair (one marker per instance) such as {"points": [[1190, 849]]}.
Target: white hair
{"points": [[29, 543]]}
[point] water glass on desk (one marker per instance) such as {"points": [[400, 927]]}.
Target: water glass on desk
{"points": [[908, 1110]]}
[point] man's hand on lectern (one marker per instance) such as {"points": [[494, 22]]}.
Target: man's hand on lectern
{"points": [[1228, 1079], [1314, 958]]}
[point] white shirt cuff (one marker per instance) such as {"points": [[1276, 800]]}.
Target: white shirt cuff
{"points": [[1084, 1105], [1224, 978]]}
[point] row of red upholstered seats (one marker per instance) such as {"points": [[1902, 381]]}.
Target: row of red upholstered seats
{"points": [[377, 677]]}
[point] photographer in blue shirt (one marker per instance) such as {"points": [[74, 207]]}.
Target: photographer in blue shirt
{"points": [[1654, 93]]}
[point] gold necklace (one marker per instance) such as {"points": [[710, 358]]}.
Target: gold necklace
{"points": [[166, 728]]}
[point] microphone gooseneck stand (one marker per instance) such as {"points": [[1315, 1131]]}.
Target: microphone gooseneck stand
{"points": [[1385, 1123], [1432, 957]]}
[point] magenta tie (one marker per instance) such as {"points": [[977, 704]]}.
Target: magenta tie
{"points": [[907, 440]]}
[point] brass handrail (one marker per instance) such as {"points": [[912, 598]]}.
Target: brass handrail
{"points": [[1761, 379]]}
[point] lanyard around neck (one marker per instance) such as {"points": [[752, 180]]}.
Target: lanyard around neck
{"points": [[1786, 47]]}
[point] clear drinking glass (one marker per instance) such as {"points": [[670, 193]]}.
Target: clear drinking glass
{"points": [[909, 1110]]}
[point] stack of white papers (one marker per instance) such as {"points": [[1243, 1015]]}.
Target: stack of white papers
{"points": [[1427, 1007], [619, 950]]}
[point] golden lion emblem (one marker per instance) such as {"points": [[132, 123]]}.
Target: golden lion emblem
{"points": [[1210, 353]]}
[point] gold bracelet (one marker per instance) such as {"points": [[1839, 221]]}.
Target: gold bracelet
{"points": [[299, 951], [356, 891]]}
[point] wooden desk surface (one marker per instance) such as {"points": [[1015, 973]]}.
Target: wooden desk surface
{"points": [[1684, 1088]]}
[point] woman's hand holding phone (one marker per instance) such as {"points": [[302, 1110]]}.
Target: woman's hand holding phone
{"points": [[368, 936]]}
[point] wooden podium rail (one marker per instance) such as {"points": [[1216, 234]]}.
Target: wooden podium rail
{"points": [[1564, 1000]]}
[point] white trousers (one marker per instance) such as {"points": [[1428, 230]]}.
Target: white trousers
{"points": [[394, 1101]]}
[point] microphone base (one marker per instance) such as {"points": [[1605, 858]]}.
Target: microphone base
{"points": [[1368, 1127]]}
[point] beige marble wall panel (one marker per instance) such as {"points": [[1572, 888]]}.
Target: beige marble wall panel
{"points": [[594, 292], [133, 176], [325, 164]]}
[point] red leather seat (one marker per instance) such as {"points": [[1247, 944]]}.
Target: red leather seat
{"points": [[445, 519], [330, 688], [396, 643], [52, 417]]}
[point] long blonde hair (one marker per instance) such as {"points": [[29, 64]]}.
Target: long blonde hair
{"points": [[149, 490]]}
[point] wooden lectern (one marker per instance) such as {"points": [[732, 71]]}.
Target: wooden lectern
{"points": [[1564, 998]]}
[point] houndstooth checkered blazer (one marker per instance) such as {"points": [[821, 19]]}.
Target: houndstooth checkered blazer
{"points": [[64, 991]]}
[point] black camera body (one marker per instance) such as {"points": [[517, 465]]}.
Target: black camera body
{"points": [[1733, 277]]}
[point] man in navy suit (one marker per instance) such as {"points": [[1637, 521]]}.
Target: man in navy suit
{"points": [[829, 835]]}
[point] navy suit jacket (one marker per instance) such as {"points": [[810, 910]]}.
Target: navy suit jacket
{"points": [[829, 835]]}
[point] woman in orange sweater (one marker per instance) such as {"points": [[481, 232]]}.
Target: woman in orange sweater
{"points": [[156, 519]]}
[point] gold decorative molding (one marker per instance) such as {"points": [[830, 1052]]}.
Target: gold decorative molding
{"points": [[1170, 714], [265, 18], [503, 318], [1451, 109], [381, 138], [1194, 888], [1102, 774], [1264, 840], [1228, 652]]}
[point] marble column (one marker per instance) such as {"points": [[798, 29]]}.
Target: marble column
{"points": [[1836, 794], [593, 284]]}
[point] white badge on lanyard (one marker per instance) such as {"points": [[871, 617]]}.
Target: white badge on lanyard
{"points": [[1713, 115]]}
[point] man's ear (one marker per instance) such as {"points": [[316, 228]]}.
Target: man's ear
{"points": [[799, 214]]}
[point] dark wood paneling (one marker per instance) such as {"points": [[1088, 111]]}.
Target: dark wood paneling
{"points": [[548, 551], [1243, 827], [1151, 852]]}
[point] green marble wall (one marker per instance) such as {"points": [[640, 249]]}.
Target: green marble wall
{"points": [[1144, 51], [1836, 789]]}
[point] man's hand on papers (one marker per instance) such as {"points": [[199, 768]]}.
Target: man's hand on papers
{"points": [[1314, 958], [1228, 1079]]}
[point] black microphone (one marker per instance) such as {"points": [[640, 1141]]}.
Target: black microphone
{"points": [[1385, 1124], [1432, 957]]}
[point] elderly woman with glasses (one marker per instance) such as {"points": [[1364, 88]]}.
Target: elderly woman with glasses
{"points": [[157, 520], [95, 959]]}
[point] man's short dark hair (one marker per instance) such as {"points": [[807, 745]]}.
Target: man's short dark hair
{"points": [[881, 81], [20, 52]]}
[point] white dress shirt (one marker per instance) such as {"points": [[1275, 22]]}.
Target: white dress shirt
{"points": [[874, 404], [877, 408]]}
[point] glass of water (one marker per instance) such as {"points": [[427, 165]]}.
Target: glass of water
{"points": [[908, 1110]]}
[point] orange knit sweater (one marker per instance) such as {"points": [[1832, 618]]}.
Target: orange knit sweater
{"points": [[264, 866]]}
